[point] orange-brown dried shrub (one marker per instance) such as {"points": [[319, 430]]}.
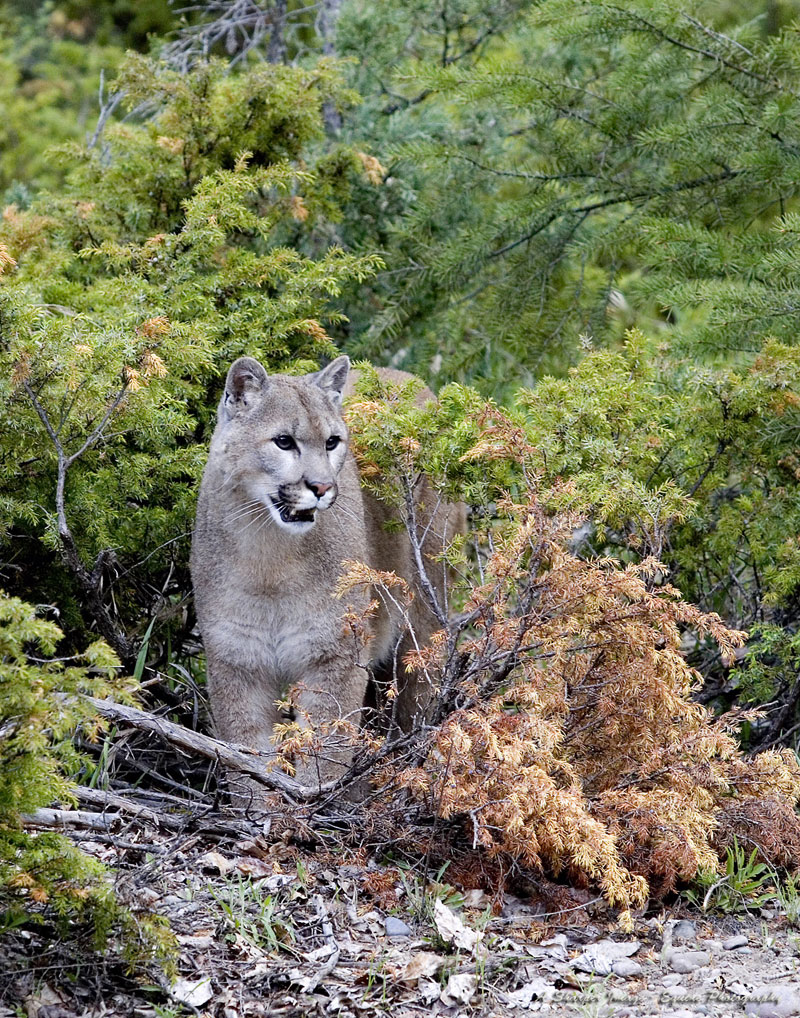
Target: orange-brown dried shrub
{"points": [[565, 736]]}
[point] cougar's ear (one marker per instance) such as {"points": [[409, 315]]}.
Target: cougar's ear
{"points": [[332, 379], [246, 380]]}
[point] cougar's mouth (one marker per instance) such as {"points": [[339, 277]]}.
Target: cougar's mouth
{"points": [[289, 515]]}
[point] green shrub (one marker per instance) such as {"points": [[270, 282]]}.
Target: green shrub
{"points": [[43, 703], [123, 301]]}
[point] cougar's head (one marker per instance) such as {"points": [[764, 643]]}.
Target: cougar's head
{"points": [[284, 440]]}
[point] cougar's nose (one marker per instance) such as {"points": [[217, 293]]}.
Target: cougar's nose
{"points": [[319, 487]]}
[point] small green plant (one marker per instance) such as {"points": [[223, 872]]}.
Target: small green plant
{"points": [[259, 919], [44, 700], [787, 894], [421, 893], [377, 974], [146, 942], [594, 1000], [170, 1010], [744, 884]]}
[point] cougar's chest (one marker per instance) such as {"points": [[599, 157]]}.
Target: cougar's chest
{"points": [[273, 634]]}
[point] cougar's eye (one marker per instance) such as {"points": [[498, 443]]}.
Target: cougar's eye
{"points": [[285, 442], [332, 442]]}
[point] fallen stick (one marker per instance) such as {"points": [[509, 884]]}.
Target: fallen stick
{"points": [[62, 819], [104, 799], [238, 758]]}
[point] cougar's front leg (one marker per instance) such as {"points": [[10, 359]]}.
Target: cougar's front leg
{"points": [[243, 707], [332, 691]]}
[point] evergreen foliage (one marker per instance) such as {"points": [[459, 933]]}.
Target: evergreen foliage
{"points": [[42, 705], [590, 169], [126, 296], [49, 83], [599, 166]]}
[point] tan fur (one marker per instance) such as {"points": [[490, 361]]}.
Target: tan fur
{"points": [[264, 584]]}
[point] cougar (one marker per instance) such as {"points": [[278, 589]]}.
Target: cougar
{"points": [[280, 507]]}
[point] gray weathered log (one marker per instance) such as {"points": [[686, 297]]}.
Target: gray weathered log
{"points": [[106, 800], [237, 758], [63, 819]]}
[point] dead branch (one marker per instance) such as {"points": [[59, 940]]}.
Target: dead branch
{"points": [[108, 105], [238, 758], [201, 816], [63, 819], [241, 27], [412, 529], [89, 580], [104, 800]]}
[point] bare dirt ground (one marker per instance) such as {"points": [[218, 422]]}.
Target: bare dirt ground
{"points": [[262, 927]]}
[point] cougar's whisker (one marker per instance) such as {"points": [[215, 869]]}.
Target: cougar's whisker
{"points": [[346, 512], [253, 515], [245, 511], [246, 508], [256, 518]]}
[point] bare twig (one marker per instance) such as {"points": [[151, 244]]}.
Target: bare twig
{"points": [[89, 580], [237, 758], [240, 27], [107, 107], [416, 547]]}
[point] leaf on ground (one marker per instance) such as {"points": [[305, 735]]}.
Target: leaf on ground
{"points": [[252, 866], [453, 931], [423, 965], [428, 990], [214, 861], [537, 988], [194, 992], [460, 989]]}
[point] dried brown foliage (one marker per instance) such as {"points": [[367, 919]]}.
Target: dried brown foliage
{"points": [[565, 738]]}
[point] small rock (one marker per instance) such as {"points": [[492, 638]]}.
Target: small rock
{"points": [[687, 961], [739, 988], [396, 927], [626, 967], [775, 1001], [671, 979], [684, 929], [740, 940], [678, 990]]}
